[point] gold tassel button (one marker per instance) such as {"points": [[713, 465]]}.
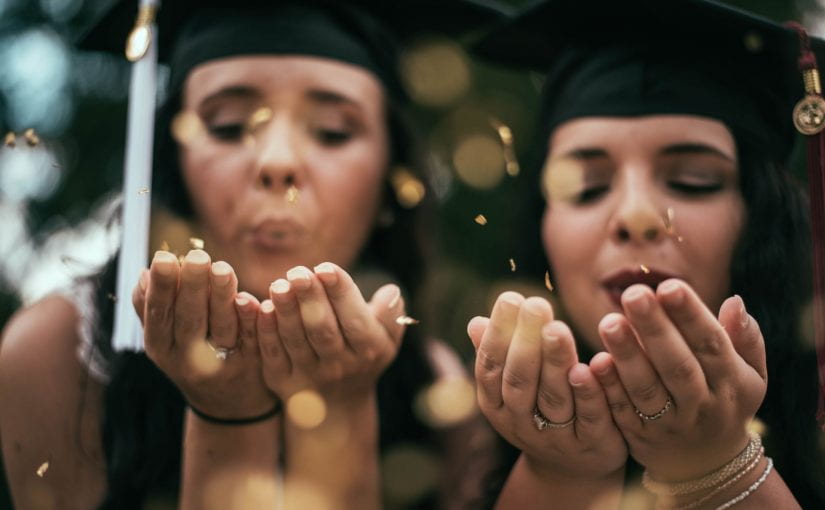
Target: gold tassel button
{"points": [[141, 36], [809, 115]]}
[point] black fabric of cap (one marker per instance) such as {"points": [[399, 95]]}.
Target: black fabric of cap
{"points": [[644, 57]]}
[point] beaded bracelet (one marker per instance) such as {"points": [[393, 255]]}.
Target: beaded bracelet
{"points": [[237, 421], [710, 480], [750, 490]]}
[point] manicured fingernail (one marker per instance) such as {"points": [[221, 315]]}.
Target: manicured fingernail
{"points": [[221, 270], [142, 280], [744, 318], [325, 268], [280, 286], [611, 326], [267, 307], [241, 300], [197, 257], [396, 297], [636, 299], [298, 273], [163, 261], [672, 292]]}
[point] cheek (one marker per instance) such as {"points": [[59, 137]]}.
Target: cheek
{"points": [[214, 183]]}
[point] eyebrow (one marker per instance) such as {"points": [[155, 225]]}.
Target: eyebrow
{"points": [[694, 148], [234, 91], [331, 98], [585, 153]]}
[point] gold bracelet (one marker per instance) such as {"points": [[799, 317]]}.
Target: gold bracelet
{"points": [[725, 485], [710, 480], [750, 490]]}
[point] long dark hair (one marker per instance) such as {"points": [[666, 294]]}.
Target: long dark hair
{"points": [[143, 410], [770, 270]]}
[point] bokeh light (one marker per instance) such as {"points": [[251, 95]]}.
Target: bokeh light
{"points": [[306, 409], [447, 402], [409, 472], [436, 72], [479, 161]]}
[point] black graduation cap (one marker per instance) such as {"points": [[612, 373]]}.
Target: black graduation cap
{"points": [[186, 33], [700, 57]]}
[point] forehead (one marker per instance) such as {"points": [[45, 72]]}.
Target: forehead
{"points": [[647, 133], [271, 75]]}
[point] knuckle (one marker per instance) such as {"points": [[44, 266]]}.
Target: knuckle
{"points": [[487, 361], [353, 326], [588, 416], [187, 325], [684, 371], [711, 343], [221, 330], [157, 313], [324, 338], [549, 399], [646, 393], [620, 406], [515, 380]]}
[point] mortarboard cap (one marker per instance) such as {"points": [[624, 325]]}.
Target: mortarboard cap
{"points": [[186, 33], [695, 57]]}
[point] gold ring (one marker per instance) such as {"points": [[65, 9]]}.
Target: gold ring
{"points": [[221, 353], [658, 414], [541, 422]]}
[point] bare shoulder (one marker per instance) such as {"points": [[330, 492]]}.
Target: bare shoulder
{"points": [[49, 410]]}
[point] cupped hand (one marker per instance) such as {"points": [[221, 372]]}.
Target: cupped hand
{"points": [[202, 334], [682, 383], [526, 365], [317, 332]]}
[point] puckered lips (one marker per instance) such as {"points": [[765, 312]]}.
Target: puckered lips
{"points": [[617, 282], [276, 233]]}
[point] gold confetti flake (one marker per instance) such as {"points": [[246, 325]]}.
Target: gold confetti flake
{"points": [[511, 165], [409, 190], [644, 269], [405, 320], [292, 194], [31, 137], [512, 265], [481, 219], [41, 471], [196, 243], [164, 246], [10, 139], [260, 116], [143, 191], [547, 282]]}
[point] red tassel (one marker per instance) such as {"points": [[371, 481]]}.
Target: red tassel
{"points": [[809, 119]]}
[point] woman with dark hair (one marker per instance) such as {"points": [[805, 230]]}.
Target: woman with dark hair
{"points": [[679, 246], [282, 126]]}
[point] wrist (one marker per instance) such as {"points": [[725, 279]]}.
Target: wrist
{"points": [[564, 475]]}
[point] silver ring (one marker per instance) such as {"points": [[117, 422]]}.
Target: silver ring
{"points": [[541, 422], [221, 353], [658, 414]]}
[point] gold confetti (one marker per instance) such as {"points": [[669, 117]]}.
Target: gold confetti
{"points": [[143, 191], [512, 265], [480, 219], [292, 194], [196, 243], [547, 282], [10, 139], [511, 165], [41, 471], [31, 137], [644, 269], [405, 320], [260, 116], [164, 246], [409, 190]]}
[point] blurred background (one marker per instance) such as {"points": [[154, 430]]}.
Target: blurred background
{"points": [[62, 123]]}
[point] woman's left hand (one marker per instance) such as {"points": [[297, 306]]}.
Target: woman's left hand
{"points": [[317, 332], [682, 383]]}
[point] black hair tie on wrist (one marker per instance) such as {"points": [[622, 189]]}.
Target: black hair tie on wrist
{"points": [[238, 421]]}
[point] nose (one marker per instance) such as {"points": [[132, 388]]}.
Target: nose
{"points": [[638, 218], [279, 162]]}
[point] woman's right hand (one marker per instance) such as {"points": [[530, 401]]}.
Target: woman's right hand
{"points": [[525, 361], [190, 312]]}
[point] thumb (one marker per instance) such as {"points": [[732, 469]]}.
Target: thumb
{"points": [[387, 305], [744, 334]]}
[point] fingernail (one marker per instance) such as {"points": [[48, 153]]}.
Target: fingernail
{"points": [[241, 300], [672, 292], [221, 270], [298, 273], [325, 268], [636, 299], [162, 261], [396, 297], [280, 286], [744, 318], [197, 257], [267, 306]]}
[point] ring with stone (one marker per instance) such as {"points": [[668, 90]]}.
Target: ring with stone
{"points": [[541, 422], [658, 414], [221, 353]]}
